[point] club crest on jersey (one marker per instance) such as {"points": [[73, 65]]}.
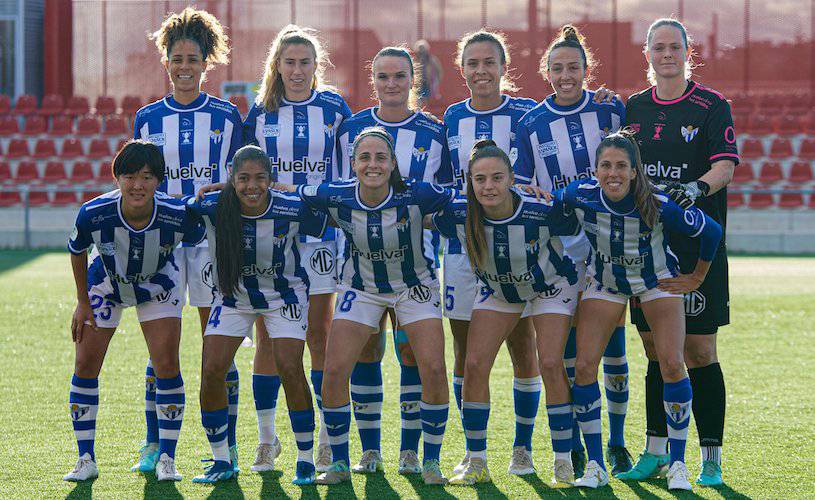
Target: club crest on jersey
{"points": [[578, 142], [216, 135], [402, 224], [185, 136], [301, 131], [678, 412], [616, 236], [421, 294], [533, 246], [374, 232], [292, 312], [420, 153], [247, 243], [78, 412], [689, 132], [271, 130], [279, 240], [322, 261], [135, 253], [604, 132], [547, 149], [329, 129], [107, 248], [172, 412]]}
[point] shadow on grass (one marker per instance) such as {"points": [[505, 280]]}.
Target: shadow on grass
{"points": [[160, 489], [224, 489], [82, 490], [11, 259], [545, 491], [377, 486], [271, 487], [424, 491]]}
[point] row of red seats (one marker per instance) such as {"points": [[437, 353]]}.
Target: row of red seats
{"points": [[783, 124], [790, 201], [55, 172], [71, 148], [771, 171], [64, 125], [42, 198], [780, 148]]}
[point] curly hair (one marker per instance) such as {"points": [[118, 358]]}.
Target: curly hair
{"points": [[198, 26]]}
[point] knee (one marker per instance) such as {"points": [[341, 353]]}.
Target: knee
{"points": [[585, 369], [697, 356], [672, 368], [551, 367], [212, 371], [474, 368], [86, 367], [165, 366]]}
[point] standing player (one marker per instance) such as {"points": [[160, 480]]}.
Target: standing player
{"points": [[197, 134], [624, 219], [556, 144], [135, 230], [483, 59], [253, 237], [421, 155], [295, 120], [686, 135]]}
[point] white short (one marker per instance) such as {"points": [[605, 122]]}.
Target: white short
{"points": [[560, 300], [108, 314], [289, 321], [460, 287], [320, 262], [197, 277], [414, 304], [595, 290]]}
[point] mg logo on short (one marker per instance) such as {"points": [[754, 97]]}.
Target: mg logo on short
{"points": [[322, 261], [694, 303], [292, 312], [206, 275], [420, 293]]}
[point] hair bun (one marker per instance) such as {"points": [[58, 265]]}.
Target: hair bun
{"points": [[483, 143], [569, 32]]}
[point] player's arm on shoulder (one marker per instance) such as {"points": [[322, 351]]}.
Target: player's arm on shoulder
{"points": [[603, 94]]}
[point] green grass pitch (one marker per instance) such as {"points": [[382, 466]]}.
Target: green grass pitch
{"points": [[764, 352]]}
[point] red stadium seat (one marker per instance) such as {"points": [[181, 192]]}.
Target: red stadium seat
{"points": [[760, 124], [8, 126], [5, 171], [735, 199], [105, 172], [130, 104], [770, 172], [77, 106], [35, 125], [752, 148], [18, 148], [26, 105], [52, 104], [807, 149], [72, 148], [88, 125], [45, 148], [105, 105], [115, 125], [82, 172], [89, 195], [54, 172], [241, 102], [809, 123], [790, 125], [761, 200], [743, 173], [800, 172], [62, 125], [99, 148], [5, 104], [791, 200], [38, 198], [9, 198], [27, 172], [780, 148], [62, 198]]}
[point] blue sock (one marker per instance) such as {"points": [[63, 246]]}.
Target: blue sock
{"points": [[265, 389], [232, 391], [458, 383], [569, 356], [215, 424], [410, 393], [83, 402], [587, 406], [677, 398], [527, 396], [302, 425], [337, 422], [561, 423], [150, 403], [170, 410], [475, 417], [366, 396], [434, 422], [615, 376]]}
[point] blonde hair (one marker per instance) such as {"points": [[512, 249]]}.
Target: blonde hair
{"points": [[500, 41], [690, 65], [404, 53], [271, 90], [198, 26]]}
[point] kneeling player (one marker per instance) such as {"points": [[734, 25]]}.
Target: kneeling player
{"points": [[134, 230]]}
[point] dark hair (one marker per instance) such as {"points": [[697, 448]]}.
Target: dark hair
{"points": [[474, 224], [674, 23], [134, 155], [395, 180], [229, 224], [641, 188], [404, 53], [569, 36], [500, 41], [198, 26]]}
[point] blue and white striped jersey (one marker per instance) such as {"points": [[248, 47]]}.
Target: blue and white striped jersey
{"points": [[385, 248], [420, 146], [272, 271], [139, 263], [465, 126], [198, 140], [523, 258], [300, 139], [556, 144], [628, 256]]}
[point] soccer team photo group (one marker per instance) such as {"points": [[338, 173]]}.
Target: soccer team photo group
{"points": [[333, 242]]}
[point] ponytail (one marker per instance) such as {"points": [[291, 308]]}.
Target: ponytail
{"points": [[228, 241]]}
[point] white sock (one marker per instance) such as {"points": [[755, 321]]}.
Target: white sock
{"points": [[266, 428], [656, 445]]}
